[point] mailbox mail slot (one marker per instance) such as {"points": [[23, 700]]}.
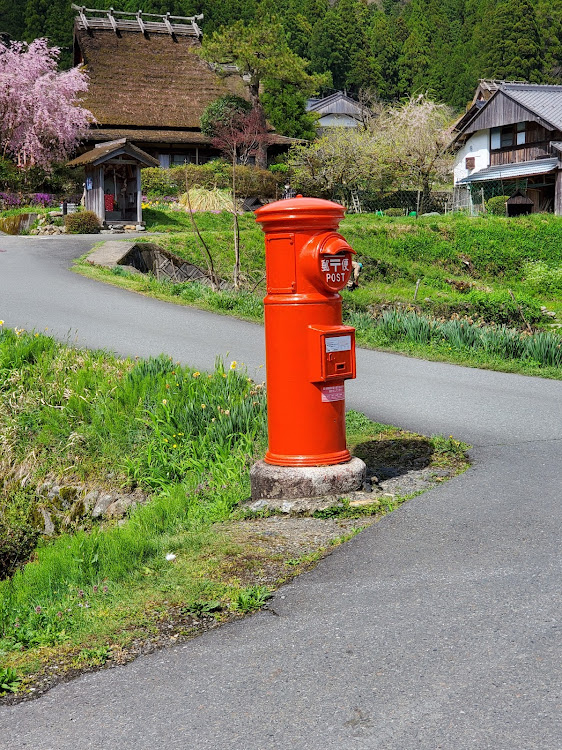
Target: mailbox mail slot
{"points": [[331, 353]]}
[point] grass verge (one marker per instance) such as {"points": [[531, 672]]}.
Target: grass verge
{"points": [[95, 594]]}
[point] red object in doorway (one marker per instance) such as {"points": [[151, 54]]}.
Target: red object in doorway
{"points": [[109, 202]]}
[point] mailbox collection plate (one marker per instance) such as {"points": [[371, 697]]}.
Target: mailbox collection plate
{"points": [[331, 353]]}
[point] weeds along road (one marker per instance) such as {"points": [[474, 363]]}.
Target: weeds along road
{"points": [[439, 627]]}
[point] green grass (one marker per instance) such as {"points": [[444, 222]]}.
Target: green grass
{"points": [[188, 438], [474, 303], [26, 210]]}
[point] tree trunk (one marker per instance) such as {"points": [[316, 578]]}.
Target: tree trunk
{"points": [[425, 202], [261, 152], [236, 274]]}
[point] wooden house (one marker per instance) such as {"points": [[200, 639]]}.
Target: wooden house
{"points": [[337, 111], [149, 85], [512, 141]]}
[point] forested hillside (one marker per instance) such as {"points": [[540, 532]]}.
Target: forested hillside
{"points": [[393, 47]]}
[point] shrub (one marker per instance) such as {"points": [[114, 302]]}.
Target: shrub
{"points": [[251, 181], [542, 278], [82, 222], [394, 212], [496, 205]]}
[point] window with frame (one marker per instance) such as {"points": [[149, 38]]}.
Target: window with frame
{"points": [[508, 136]]}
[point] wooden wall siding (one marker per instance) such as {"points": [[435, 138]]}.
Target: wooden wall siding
{"points": [[522, 153], [502, 111], [94, 197]]}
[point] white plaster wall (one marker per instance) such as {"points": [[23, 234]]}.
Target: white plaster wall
{"points": [[478, 145]]}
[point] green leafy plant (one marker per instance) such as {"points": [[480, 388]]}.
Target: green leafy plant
{"points": [[543, 278], [251, 598], [82, 222], [202, 607], [93, 657], [9, 680], [496, 205]]}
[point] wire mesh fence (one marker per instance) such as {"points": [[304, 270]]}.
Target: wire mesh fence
{"points": [[394, 202]]}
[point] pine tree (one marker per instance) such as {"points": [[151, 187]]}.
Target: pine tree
{"points": [[339, 44], [512, 45], [12, 21], [549, 18]]}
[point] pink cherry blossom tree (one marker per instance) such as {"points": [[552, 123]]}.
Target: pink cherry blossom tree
{"points": [[41, 120]]}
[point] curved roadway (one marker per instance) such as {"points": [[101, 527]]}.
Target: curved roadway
{"points": [[438, 628]]}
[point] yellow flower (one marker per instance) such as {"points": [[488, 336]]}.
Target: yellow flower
{"points": [[174, 445], [233, 364], [165, 440], [203, 406], [1, 322], [196, 374], [224, 374], [164, 401]]}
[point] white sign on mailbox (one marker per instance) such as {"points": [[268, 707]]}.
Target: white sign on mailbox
{"points": [[335, 268], [338, 344]]}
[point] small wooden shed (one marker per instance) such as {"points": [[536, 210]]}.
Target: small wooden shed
{"points": [[519, 205], [113, 180]]}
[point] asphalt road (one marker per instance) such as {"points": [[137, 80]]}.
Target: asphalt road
{"points": [[438, 628]]}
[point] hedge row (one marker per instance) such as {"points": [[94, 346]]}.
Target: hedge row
{"points": [[250, 181]]}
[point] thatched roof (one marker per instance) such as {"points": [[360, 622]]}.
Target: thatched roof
{"points": [[148, 80], [171, 137], [106, 151]]}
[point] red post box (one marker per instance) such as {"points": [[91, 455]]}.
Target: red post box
{"points": [[309, 353]]}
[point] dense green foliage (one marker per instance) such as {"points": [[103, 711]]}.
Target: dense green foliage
{"points": [[221, 111], [486, 273], [395, 47], [82, 222], [496, 206], [250, 181]]}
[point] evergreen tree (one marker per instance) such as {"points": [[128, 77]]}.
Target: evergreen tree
{"points": [[549, 18], [339, 44], [12, 21], [512, 45], [285, 108], [386, 41], [261, 53]]}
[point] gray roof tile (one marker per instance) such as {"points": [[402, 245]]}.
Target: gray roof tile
{"points": [[545, 101]]}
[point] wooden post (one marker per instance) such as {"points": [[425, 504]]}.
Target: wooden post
{"points": [[558, 193], [139, 194]]}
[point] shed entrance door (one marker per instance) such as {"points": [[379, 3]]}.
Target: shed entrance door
{"points": [[120, 192]]}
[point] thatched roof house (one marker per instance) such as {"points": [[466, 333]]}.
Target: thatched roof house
{"points": [[147, 83]]}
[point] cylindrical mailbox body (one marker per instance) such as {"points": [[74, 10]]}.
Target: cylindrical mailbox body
{"points": [[309, 353]]}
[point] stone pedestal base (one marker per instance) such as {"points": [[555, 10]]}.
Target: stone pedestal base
{"points": [[304, 489]]}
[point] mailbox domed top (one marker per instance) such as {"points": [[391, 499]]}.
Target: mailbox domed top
{"points": [[300, 213]]}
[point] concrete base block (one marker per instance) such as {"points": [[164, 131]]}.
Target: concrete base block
{"points": [[301, 490]]}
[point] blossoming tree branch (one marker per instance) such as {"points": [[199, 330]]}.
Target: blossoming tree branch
{"points": [[41, 120]]}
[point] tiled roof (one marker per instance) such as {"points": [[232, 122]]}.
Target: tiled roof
{"points": [[544, 101], [338, 103]]}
